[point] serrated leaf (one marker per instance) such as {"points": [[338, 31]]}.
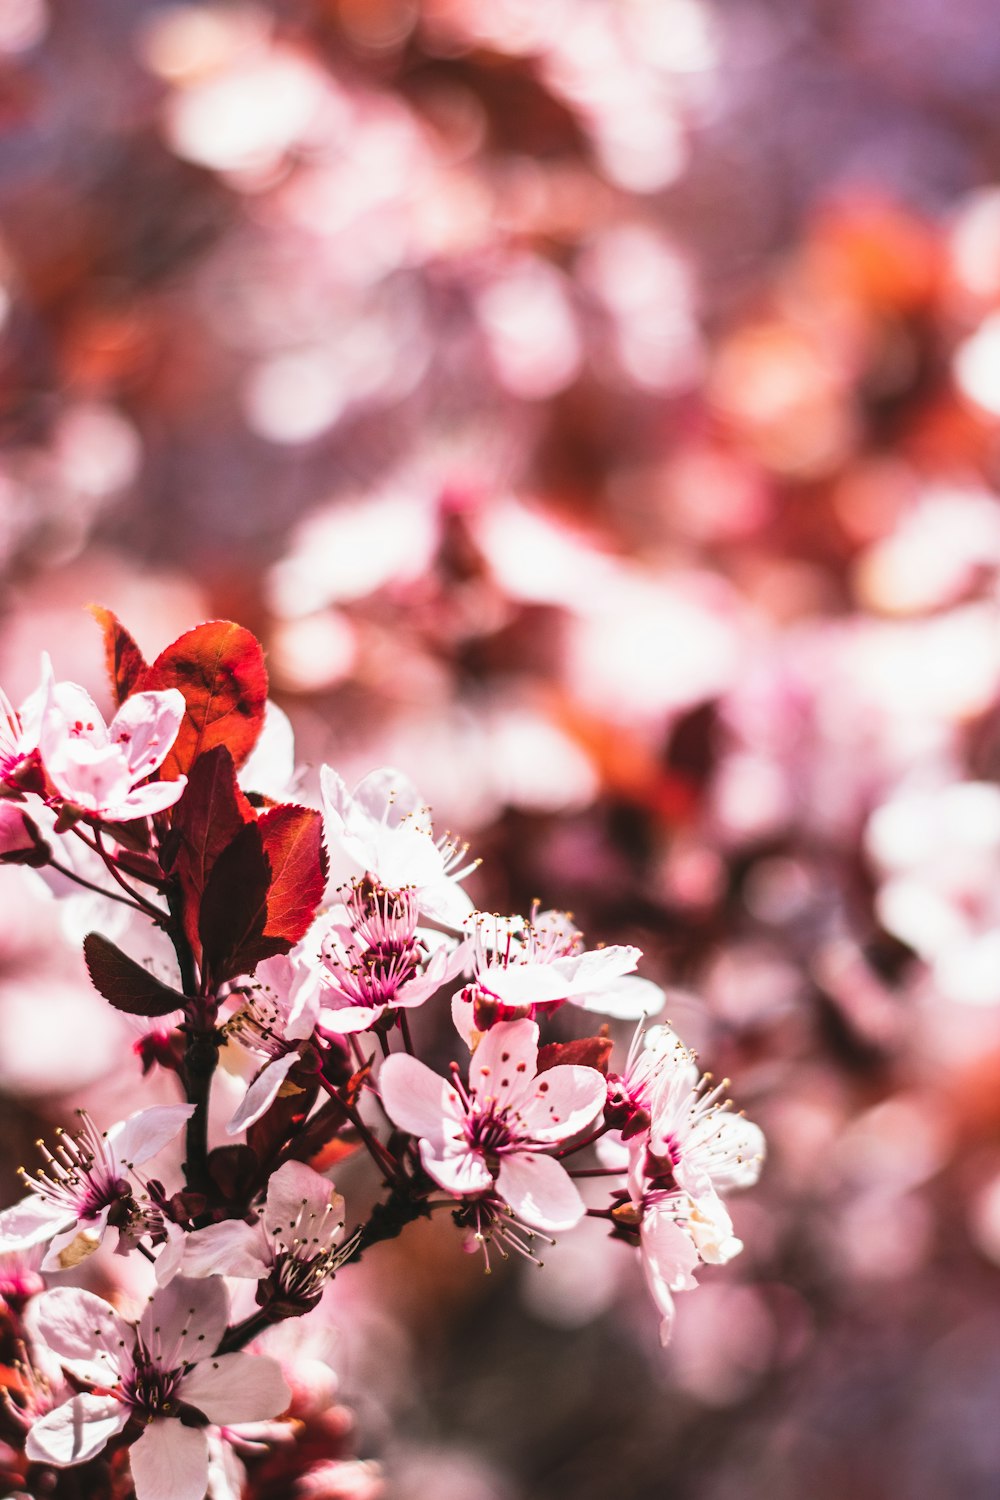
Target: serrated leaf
{"points": [[293, 844], [233, 912], [125, 983], [219, 668], [208, 817]]}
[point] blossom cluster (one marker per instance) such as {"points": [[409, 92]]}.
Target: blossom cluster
{"points": [[311, 942]]}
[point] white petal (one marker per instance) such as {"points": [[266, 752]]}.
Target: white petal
{"points": [[31, 1222], [270, 767], [564, 1101], [262, 1093], [503, 1066], [185, 1319], [296, 1193], [76, 1243], [415, 1099], [143, 1135], [463, 1173], [144, 801], [146, 726], [85, 1333], [540, 1191], [627, 999], [669, 1257], [588, 972], [75, 1431], [445, 901], [170, 1462], [231, 1248], [237, 1388]]}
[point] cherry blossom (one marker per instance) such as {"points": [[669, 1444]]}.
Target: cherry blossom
{"points": [[294, 1241], [84, 1189], [157, 1373], [522, 968], [100, 768], [384, 830], [691, 1130], [376, 959], [488, 1139]]}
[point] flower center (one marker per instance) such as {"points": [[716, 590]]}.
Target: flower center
{"points": [[488, 1132], [149, 1389]]}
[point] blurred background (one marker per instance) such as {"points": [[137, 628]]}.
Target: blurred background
{"points": [[594, 406]]}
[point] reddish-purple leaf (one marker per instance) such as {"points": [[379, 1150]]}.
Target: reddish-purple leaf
{"points": [[293, 843], [233, 912], [207, 818], [125, 983], [124, 659], [219, 668]]}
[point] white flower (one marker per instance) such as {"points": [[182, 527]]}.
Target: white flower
{"points": [[383, 830], [84, 1189], [294, 1240], [692, 1133], [153, 1373], [486, 1142], [99, 767]]}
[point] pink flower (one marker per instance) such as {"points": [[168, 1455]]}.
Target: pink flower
{"points": [[383, 830], [487, 1141], [376, 961], [522, 967], [692, 1133], [294, 1241], [84, 1189], [155, 1373], [98, 767]]}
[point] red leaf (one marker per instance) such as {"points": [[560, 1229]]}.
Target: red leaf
{"points": [[586, 1051], [124, 659], [293, 843], [125, 983], [207, 818], [233, 912], [219, 667]]}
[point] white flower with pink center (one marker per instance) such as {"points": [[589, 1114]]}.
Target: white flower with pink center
{"points": [[692, 1131], [99, 768], [490, 1140], [376, 960], [162, 1375], [84, 1189], [384, 831], [521, 968], [295, 1240]]}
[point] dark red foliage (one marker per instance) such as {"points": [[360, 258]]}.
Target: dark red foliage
{"points": [[126, 984], [125, 662]]}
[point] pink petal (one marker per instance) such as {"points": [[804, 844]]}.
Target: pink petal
{"points": [[415, 1099], [75, 1431], [31, 1222], [588, 972], [463, 1173], [388, 796], [669, 1257], [170, 1462], [262, 1093], [503, 1065], [236, 1388], [145, 727], [297, 1191], [92, 776], [185, 1319], [444, 901], [540, 1191], [231, 1248], [144, 801], [525, 984], [564, 1100], [84, 1332], [143, 1135]]}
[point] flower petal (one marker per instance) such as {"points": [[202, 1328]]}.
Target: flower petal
{"points": [[143, 1135], [461, 1172], [144, 801], [262, 1092], [84, 1332], [540, 1192], [170, 1462], [296, 1193], [415, 1098], [185, 1319], [564, 1101], [502, 1068], [231, 1248], [75, 1431], [236, 1388], [31, 1222], [75, 1244], [627, 998], [145, 727]]}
